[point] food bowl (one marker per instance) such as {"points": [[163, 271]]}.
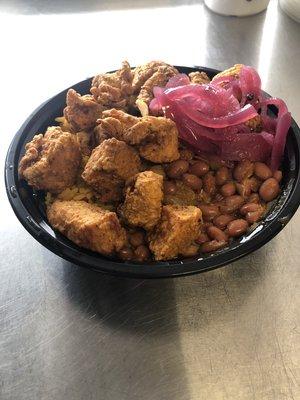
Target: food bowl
{"points": [[29, 208]]}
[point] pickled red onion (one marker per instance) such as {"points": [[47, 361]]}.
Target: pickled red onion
{"points": [[251, 146], [274, 101], [178, 80], [250, 84], [283, 125], [212, 117], [235, 118]]}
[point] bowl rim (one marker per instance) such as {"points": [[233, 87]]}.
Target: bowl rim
{"points": [[188, 266]]}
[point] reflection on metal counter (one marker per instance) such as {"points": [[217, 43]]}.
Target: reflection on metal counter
{"points": [[292, 8]]}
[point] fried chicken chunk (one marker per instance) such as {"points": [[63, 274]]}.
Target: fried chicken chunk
{"points": [[86, 142], [51, 161], [145, 77], [143, 72], [255, 123], [114, 123], [156, 138], [159, 78], [199, 77], [110, 164], [81, 112], [233, 71], [143, 200], [114, 89], [87, 225], [175, 233]]}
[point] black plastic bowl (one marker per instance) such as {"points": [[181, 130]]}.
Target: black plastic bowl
{"points": [[29, 208]]}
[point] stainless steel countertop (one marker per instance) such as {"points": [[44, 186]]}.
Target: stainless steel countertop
{"points": [[68, 333]]}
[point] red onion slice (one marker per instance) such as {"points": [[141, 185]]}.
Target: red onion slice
{"points": [[238, 117], [269, 123], [247, 146], [283, 125], [274, 101], [250, 85], [178, 80], [212, 117]]}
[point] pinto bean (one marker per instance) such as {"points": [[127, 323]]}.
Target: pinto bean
{"points": [[221, 221], [237, 227], [169, 187], [217, 234], [192, 181], [262, 171], [126, 254], [136, 238], [269, 189], [228, 189], [232, 203], [209, 211], [249, 207], [199, 168], [177, 168], [142, 253]]}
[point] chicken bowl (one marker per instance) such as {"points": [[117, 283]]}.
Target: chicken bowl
{"points": [[47, 210]]}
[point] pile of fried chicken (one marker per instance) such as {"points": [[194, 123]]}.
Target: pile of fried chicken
{"points": [[126, 148]]}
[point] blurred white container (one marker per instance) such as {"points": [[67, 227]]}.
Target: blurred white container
{"points": [[238, 8], [292, 8]]}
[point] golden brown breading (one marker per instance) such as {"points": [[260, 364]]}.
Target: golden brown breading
{"points": [[160, 139], [110, 164], [156, 138], [159, 78], [143, 72], [199, 77], [87, 225], [255, 123], [113, 90], [175, 233], [81, 112], [233, 71], [86, 142], [114, 123], [51, 161], [143, 198]]}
